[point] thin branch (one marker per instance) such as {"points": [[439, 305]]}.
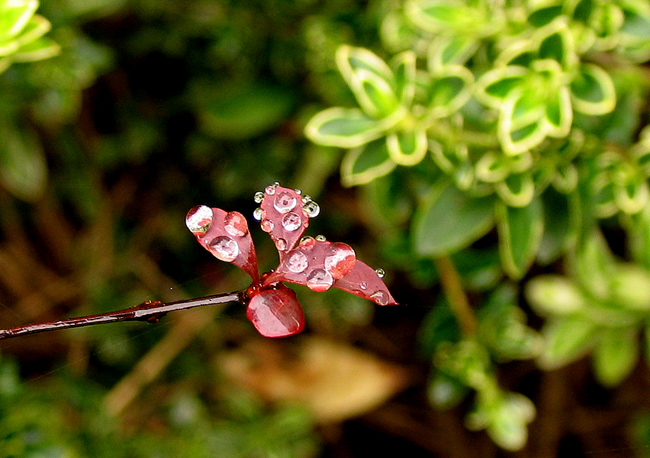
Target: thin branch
{"points": [[451, 285], [150, 311]]}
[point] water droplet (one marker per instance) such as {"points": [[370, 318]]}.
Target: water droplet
{"points": [[225, 248], [270, 190], [307, 242], [258, 213], [267, 225], [312, 209], [379, 297], [258, 197], [306, 199], [298, 191], [363, 285], [285, 202], [340, 260], [281, 244], [319, 280], [297, 262], [291, 221], [199, 219], [321, 238], [235, 224], [380, 273]]}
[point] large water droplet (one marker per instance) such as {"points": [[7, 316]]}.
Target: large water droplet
{"points": [[291, 221], [258, 213], [199, 219], [281, 244], [267, 225], [297, 262], [270, 190], [340, 260], [379, 297], [380, 273], [258, 197], [321, 238], [285, 202], [235, 224], [225, 248], [312, 209], [319, 280]]}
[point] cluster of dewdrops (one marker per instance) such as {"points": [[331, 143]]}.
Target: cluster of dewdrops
{"points": [[285, 203]]}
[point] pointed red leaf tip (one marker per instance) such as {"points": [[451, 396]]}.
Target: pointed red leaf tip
{"points": [[225, 235], [276, 312], [320, 264], [284, 213]]}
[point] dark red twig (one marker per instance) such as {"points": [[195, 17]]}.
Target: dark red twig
{"points": [[150, 311]]}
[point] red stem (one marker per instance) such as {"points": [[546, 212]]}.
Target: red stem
{"points": [[150, 311]]}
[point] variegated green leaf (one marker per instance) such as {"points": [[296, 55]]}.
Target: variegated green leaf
{"points": [[370, 79], [14, 16], [346, 128], [407, 147], [404, 69], [449, 91], [495, 85], [520, 233], [516, 190], [553, 295], [559, 113], [364, 164], [450, 50], [593, 91]]}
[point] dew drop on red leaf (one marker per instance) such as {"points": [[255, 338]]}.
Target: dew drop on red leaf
{"points": [[276, 312]]}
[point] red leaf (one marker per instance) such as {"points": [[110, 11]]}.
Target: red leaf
{"points": [[364, 281], [316, 264], [276, 312], [284, 214], [225, 235]]}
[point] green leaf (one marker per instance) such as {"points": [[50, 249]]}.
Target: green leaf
{"points": [[557, 44], [517, 190], [630, 287], [453, 15], [236, 110], [450, 50], [449, 220], [345, 128], [593, 265], [593, 91], [364, 164], [370, 79], [559, 113], [568, 338], [407, 148], [14, 17], [555, 295], [445, 392], [615, 355], [639, 233], [562, 216], [495, 85], [24, 169], [39, 49], [520, 233], [449, 91], [509, 419], [404, 69]]}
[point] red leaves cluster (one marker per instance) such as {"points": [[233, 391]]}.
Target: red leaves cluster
{"points": [[316, 263]]}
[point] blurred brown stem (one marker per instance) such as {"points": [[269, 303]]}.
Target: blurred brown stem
{"points": [[453, 288]]}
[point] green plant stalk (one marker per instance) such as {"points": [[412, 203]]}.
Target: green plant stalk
{"points": [[458, 302]]}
